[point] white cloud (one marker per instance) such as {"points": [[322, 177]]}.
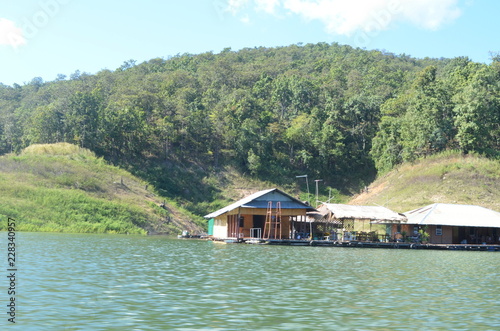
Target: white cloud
{"points": [[346, 17], [268, 6], [235, 6], [11, 35], [429, 14], [245, 19]]}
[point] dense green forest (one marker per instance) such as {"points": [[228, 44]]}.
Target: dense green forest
{"points": [[327, 110]]}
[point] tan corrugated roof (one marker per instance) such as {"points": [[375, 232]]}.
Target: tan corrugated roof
{"points": [[454, 215], [375, 213]]}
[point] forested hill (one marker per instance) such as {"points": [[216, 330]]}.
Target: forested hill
{"points": [[326, 110]]}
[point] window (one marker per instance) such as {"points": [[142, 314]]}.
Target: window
{"points": [[439, 230]]}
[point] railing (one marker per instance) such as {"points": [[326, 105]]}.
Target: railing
{"points": [[236, 235], [365, 236], [256, 233]]}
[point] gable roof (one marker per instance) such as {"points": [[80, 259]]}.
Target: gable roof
{"points": [[454, 215], [375, 213], [260, 200]]}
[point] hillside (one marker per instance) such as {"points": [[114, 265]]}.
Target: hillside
{"points": [[198, 127], [64, 188], [448, 177]]}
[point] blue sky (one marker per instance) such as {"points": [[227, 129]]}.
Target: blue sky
{"points": [[44, 38]]}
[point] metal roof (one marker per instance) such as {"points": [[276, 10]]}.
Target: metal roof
{"points": [[454, 215], [374, 213], [260, 200]]}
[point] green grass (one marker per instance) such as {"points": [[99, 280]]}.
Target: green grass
{"points": [[449, 177], [64, 188]]}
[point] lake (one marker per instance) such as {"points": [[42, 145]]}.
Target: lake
{"points": [[114, 282]]}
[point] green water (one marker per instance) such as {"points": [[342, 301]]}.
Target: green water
{"points": [[96, 282]]}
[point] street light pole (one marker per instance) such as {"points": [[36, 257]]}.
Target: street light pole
{"points": [[317, 180], [307, 184]]}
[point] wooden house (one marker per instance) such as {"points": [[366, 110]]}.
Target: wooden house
{"points": [[453, 224], [358, 223], [268, 214]]}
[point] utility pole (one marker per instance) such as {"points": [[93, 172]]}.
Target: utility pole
{"points": [[317, 180]]}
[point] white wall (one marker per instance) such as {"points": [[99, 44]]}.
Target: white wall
{"points": [[220, 228]]}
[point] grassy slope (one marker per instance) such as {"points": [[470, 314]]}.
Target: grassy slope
{"points": [[445, 178], [63, 188]]}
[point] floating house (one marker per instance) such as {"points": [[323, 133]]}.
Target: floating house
{"points": [[268, 214], [357, 223], [453, 224]]}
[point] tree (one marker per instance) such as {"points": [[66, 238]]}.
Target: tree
{"points": [[81, 120], [427, 125], [45, 126], [254, 164], [124, 129], [387, 149], [478, 113]]}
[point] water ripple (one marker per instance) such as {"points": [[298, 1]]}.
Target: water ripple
{"points": [[80, 282]]}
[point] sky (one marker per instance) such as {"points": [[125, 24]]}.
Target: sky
{"points": [[46, 38]]}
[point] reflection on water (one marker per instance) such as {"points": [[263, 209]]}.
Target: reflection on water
{"points": [[97, 282]]}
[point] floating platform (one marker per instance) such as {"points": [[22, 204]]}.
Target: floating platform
{"points": [[352, 244], [399, 245], [369, 244]]}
